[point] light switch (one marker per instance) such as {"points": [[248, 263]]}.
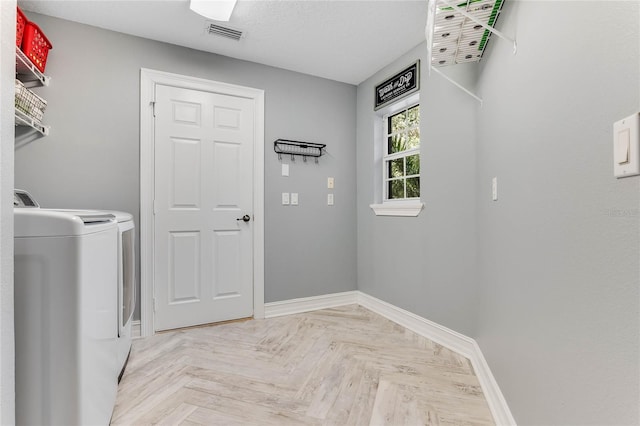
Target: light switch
{"points": [[294, 198], [626, 146], [622, 146], [329, 199], [494, 189], [330, 183], [285, 198], [285, 169]]}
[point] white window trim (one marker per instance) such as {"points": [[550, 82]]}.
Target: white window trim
{"points": [[403, 208], [398, 208]]}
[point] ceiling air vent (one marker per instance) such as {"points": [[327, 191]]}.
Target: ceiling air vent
{"points": [[219, 30]]}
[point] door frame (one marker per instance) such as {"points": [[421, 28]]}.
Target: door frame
{"points": [[148, 81]]}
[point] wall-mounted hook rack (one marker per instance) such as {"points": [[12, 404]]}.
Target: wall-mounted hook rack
{"points": [[293, 148]]}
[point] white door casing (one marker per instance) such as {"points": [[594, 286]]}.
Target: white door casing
{"points": [[198, 228]]}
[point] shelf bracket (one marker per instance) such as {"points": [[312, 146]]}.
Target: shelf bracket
{"points": [[25, 120], [484, 25], [458, 85]]}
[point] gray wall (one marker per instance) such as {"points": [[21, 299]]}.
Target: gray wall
{"points": [[559, 253], [546, 279], [91, 158], [424, 264]]}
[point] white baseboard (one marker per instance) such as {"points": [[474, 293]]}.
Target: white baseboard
{"points": [[497, 404], [135, 329], [464, 345], [442, 335], [307, 304]]}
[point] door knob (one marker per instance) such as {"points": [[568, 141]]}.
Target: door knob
{"points": [[246, 218]]}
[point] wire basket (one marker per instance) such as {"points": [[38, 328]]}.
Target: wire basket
{"points": [[29, 103]]}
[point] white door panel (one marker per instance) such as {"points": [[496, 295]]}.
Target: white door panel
{"points": [[203, 184], [185, 173]]}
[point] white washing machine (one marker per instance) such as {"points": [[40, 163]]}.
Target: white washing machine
{"points": [[65, 315], [126, 273], [126, 285]]}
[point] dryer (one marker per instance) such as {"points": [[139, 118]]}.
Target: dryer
{"points": [[126, 285], [65, 267], [126, 281]]}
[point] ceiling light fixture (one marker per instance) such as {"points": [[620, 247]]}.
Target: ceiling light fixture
{"points": [[218, 10]]}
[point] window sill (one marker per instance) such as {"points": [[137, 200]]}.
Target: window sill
{"points": [[407, 209]]}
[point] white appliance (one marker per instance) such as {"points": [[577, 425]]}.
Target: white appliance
{"points": [[126, 285], [65, 315], [126, 272]]}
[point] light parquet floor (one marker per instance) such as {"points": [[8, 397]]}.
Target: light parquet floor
{"points": [[340, 366]]}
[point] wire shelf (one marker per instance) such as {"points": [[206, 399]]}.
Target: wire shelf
{"points": [[28, 72], [293, 148]]}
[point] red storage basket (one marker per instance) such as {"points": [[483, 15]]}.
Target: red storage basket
{"points": [[21, 22], [35, 45]]}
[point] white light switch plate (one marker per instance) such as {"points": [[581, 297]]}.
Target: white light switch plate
{"points": [[494, 189], [626, 146], [285, 198], [294, 198], [329, 199], [285, 170]]}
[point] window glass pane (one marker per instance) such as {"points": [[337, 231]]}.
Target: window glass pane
{"points": [[413, 187], [396, 168], [413, 116], [398, 122], [403, 134], [396, 189], [397, 143], [413, 139], [413, 165]]}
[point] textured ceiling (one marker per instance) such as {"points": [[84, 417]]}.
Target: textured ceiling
{"points": [[346, 41]]}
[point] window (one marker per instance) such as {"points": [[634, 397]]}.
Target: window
{"points": [[401, 160]]}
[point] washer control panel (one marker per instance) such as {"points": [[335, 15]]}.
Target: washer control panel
{"points": [[23, 199]]}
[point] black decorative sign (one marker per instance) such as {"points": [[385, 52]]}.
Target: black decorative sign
{"points": [[402, 84]]}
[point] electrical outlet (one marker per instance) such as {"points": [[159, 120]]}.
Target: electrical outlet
{"points": [[329, 199], [330, 183], [285, 198], [294, 198]]}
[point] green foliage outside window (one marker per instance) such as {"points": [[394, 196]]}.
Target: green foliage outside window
{"points": [[403, 172]]}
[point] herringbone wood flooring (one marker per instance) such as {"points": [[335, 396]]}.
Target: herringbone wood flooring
{"points": [[341, 366]]}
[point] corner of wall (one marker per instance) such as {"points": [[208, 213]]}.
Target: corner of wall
{"points": [[7, 88]]}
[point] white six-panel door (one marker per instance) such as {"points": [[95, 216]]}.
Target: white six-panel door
{"points": [[203, 270]]}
